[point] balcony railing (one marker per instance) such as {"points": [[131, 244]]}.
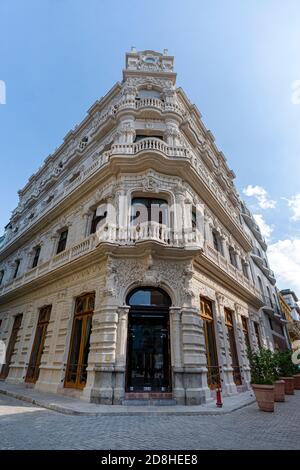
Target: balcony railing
{"points": [[148, 144], [150, 102], [263, 265], [55, 262], [227, 267], [249, 219], [270, 304], [151, 231]]}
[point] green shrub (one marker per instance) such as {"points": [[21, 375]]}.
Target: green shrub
{"points": [[284, 364], [262, 367]]}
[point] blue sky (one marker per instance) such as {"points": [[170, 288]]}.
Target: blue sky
{"points": [[236, 60]]}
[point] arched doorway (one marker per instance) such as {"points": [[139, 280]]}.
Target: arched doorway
{"points": [[148, 345]]}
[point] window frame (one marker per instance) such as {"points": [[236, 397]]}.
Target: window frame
{"points": [[36, 256], [62, 242]]}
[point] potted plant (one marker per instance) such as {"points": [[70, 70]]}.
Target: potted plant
{"points": [[262, 378], [279, 390], [296, 376], [296, 381], [286, 370]]}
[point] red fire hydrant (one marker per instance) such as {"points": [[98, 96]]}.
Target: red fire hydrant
{"points": [[219, 398]]}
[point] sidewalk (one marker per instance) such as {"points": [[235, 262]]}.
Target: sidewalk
{"points": [[72, 406]]}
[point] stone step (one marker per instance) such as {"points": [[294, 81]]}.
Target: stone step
{"points": [[149, 402]]}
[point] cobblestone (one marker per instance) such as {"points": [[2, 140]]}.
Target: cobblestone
{"points": [[24, 426]]}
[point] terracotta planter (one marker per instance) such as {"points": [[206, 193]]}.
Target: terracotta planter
{"points": [[279, 394], [288, 385], [264, 396], [297, 381]]}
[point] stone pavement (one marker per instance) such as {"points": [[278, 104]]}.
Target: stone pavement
{"points": [[72, 406], [25, 426]]}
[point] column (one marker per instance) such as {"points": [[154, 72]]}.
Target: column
{"points": [[121, 352], [241, 348], [176, 354], [228, 385], [194, 360], [103, 344]]}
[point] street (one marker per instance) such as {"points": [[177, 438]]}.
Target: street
{"points": [[24, 426]]}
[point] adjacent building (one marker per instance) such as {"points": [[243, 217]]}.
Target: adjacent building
{"points": [[290, 306], [130, 267]]}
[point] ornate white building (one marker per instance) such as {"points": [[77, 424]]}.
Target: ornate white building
{"points": [[126, 268]]}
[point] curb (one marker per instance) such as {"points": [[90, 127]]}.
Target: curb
{"points": [[156, 412]]}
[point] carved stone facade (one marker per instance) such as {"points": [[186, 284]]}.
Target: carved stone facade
{"points": [[76, 232]]}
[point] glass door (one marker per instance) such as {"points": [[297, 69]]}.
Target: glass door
{"points": [[76, 373], [232, 347], [33, 370], [213, 371], [11, 346], [148, 368]]}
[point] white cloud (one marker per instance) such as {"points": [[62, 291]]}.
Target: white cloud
{"points": [[261, 195], [265, 229], [294, 204], [284, 257]]}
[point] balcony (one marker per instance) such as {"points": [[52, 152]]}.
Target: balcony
{"points": [[271, 307], [130, 236], [262, 264], [250, 221], [145, 145], [235, 274], [151, 231], [149, 105], [76, 251]]}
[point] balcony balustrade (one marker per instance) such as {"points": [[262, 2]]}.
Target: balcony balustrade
{"points": [[150, 103], [230, 270], [151, 231], [263, 265], [148, 144], [55, 262], [271, 306]]}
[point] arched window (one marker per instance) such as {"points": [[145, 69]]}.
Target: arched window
{"points": [[147, 209], [149, 297]]}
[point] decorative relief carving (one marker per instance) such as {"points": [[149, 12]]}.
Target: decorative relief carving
{"points": [[175, 276]]}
